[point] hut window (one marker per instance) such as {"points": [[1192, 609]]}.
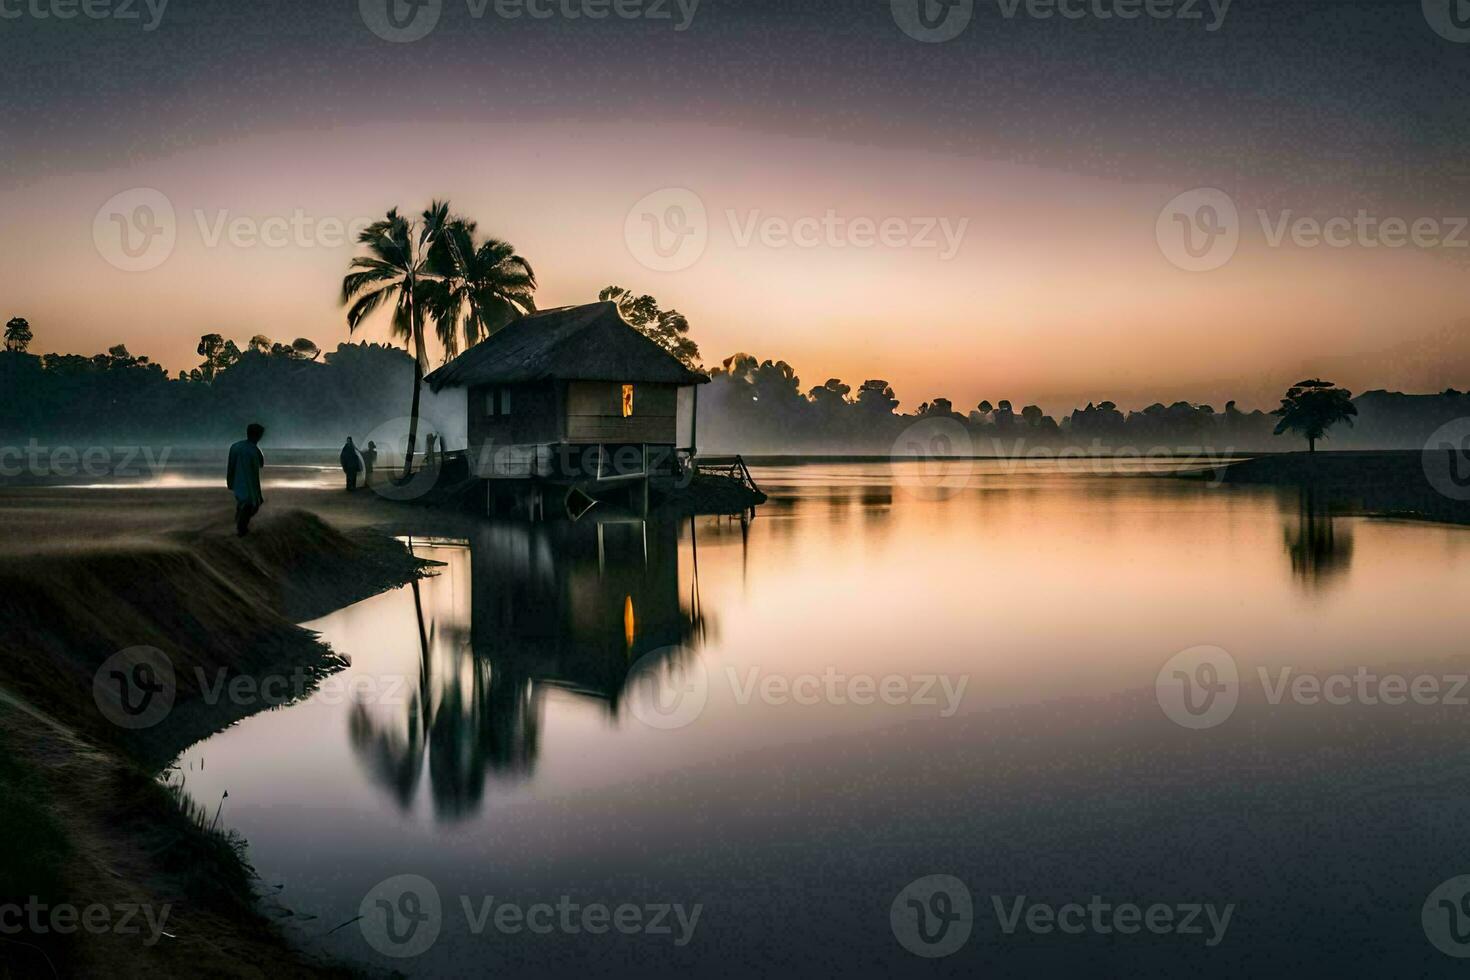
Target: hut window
{"points": [[497, 401], [627, 401]]}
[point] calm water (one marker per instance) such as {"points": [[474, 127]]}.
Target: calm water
{"points": [[878, 680]]}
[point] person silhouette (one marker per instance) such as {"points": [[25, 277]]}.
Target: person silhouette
{"points": [[429, 452], [369, 458], [242, 476], [351, 464]]}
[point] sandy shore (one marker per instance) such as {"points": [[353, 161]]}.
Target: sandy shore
{"points": [[40, 519]]}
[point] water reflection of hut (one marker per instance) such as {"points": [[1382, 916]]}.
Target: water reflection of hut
{"points": [[568, 607], [575, 606]]}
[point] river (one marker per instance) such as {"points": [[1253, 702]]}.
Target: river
{"points": [[726, 748]]}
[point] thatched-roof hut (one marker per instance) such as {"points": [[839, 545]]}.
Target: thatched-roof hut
{"points": [[574, 397]]}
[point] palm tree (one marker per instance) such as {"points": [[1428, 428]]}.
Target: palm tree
{"points": [[17, 334], [1312, 407], [397, 270], [476, 288]]}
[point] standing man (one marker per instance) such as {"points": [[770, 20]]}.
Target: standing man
{"points": [[242, 476], [351, 464], [369, 458]]}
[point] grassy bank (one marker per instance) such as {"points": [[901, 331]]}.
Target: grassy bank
{"points": [[87, 824]]}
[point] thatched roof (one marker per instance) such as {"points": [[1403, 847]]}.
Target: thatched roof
{"points": [[573, 343]]}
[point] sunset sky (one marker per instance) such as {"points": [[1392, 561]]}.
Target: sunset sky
{"points": [[1047, 147]]}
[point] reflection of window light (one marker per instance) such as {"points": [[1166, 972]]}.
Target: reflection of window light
{"points": [[627, 401]]}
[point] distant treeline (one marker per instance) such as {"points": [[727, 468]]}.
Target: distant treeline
{"points": [[303, 398], [755, 406], [308, 399]]}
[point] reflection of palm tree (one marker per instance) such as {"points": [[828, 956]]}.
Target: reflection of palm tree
{"points": [[495, 728], [396, 761], [1319, 551], [483, 719]]}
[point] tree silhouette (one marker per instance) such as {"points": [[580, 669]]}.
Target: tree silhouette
{"points": [[1312, 407], [17, 335], [396, 268], [476, 288], [218, 353], [667, 328]]}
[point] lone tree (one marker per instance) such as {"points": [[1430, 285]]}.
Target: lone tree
{"points": [[667, 328], [1312, 407], [17, 335]]}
